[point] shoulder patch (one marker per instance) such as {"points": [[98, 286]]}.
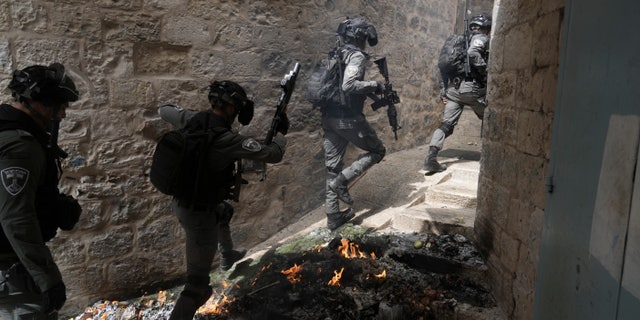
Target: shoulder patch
{"points": [[14, 179], [252, 145], [351, 71]]}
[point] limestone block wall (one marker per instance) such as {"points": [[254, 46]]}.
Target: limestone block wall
{"points": [[130, 56], [516, 145]]}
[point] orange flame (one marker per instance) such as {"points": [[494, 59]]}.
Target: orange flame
{"points": [[215, 305], [381, 275], [335, 281], [292, 273], [351, 250]]}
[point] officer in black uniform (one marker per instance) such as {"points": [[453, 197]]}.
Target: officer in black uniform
{"points": [[201, 215], [31, 206], [344, 124], [463, 90]]}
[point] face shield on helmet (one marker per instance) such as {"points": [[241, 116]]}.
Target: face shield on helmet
{"points": [[48, 85], [229, 92], [358, 28], [481, 21]]}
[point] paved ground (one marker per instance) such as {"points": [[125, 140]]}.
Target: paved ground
{"points": [[397, 196]]}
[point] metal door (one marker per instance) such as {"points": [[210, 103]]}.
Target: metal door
{"points": [[590, 247]]}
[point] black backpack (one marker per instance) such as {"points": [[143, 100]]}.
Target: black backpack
{"points": [[324, 85], [453, 56], [179, 160]]}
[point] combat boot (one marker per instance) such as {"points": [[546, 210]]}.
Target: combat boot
{"points": [[191, 298], [336, 219], [339, 186], [227, 259], [431, 164]]}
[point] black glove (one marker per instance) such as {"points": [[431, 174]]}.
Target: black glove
{"points": [[54, 298], [283, 125], [379, 88], [67, 212]]}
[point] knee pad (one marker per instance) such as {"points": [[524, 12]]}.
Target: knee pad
{"points": [[379, 155], [447, 128]]}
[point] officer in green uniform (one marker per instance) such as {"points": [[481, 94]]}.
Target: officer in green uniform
{"points": [[205, 215], [31, 206]]}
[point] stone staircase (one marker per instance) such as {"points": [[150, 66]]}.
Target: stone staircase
{"points": [[449, 203]]}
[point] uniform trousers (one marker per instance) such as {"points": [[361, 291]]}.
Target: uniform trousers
{"points": [[19, 296], [468, 94], [338, 133]]}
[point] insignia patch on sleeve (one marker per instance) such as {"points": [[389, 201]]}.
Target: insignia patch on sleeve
{"points": [[14, 179], [351, 71], [252, 145]]}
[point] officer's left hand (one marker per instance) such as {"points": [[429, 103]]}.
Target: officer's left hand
{"points": [[283, 126], [379, 88]]}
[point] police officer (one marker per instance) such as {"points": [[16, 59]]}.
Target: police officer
{"points": [[201, 215], [344, 124], [463, 90], [31, 206]]}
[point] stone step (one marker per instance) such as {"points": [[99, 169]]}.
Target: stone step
{"points": [[423, 218], [451, 195]]}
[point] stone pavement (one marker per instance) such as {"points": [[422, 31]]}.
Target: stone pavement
{"points": [[396, 196]]}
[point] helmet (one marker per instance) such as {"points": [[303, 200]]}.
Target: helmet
{"points": [[232, 93], [482, 20], [49, 85], [358, 28]]}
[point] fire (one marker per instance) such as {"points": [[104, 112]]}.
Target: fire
{"points": [[381, 275], [351, 250], [215, 305], [292, 273], [335, 281]]}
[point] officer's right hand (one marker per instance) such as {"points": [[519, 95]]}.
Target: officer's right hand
{"points": [[281, 141], [283, 125], [54, 298]]}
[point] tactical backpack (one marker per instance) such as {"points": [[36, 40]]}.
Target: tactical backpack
{"points": [[325, 82], [179, 160], [453, 54]]}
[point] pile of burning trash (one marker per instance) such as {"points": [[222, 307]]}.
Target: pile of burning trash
{"points": [[355, 275]]}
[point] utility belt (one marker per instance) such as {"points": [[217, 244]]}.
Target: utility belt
{"points": [[15, 279]]}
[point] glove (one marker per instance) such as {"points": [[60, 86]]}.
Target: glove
{"points": [[67, 212], [379, 88], [54, 298], [283, 125]]}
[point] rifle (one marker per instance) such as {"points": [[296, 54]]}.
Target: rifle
{"points": [[287, 84], [53, 140], [467, 63], [389, 97]]}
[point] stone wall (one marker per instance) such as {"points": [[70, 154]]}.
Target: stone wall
{"points": [[130, 56], [516, 145]]}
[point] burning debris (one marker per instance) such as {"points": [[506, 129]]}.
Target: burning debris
{"points": [[358, 276]]}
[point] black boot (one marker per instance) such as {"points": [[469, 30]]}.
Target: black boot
{"points": [[227, 259], [336, 219], [431, 164], [191, 298], [339, 186]]}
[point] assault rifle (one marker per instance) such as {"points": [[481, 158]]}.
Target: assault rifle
{"points": [[53, 140], [287, 84], [389, 97], [467, 63]]}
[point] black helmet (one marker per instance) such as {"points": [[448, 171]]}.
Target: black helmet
{"points": [[482, 20], [358, 28], [232, 93], [49, 85]]}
